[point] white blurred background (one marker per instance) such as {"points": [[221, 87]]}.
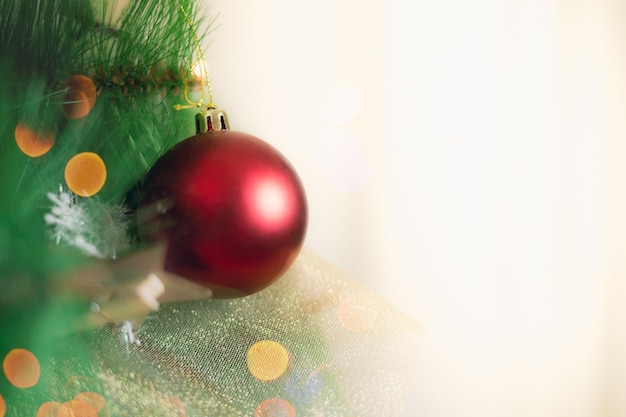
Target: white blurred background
{"points": [[466, 160]]}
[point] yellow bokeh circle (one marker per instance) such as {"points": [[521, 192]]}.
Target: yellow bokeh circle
{"points": [[3, 406], [267, 360], [85, 174], [21, 368]]}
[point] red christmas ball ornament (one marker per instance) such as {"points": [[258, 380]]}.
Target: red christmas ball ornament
{"points": [[230, 207]]}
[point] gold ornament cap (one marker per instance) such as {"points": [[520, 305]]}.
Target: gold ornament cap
{"points": [[210, 120]]}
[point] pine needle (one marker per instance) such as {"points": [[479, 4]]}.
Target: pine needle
{"points": [[140, 61]]}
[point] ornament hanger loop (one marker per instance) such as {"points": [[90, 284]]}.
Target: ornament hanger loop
{"points": [[200, 68]]}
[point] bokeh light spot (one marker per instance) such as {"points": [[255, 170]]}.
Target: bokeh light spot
{"points": [[303, 388], [355, 314], [94, 399], [85, 174], [76, 105], [174, 406], [80, 97], [33, 143], [3, 406], [267, 360], [21, 368], [49, 409], [275, 407], [76, 408], [85, 85]]}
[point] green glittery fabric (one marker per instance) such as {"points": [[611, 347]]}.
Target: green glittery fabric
{"points": [[350, 354]]}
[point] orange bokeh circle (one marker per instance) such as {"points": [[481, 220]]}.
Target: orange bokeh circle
{"points": [[76, 104], [85, 85], [33, 143], [49, 409], [80, 97], [85, 174], [273, 407], [21, 368], [94, 399], [77, 408]]}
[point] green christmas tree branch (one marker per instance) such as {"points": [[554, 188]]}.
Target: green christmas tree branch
{"points": [[140, 62]]}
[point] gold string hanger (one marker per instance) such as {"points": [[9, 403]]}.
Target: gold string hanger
{"points": [[204, 72], [209, 118]]}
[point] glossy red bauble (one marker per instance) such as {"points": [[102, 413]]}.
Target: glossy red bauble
{"points": [[231, 209]]}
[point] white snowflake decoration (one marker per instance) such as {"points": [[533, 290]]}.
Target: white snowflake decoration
{"points": [[94, 228]]}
